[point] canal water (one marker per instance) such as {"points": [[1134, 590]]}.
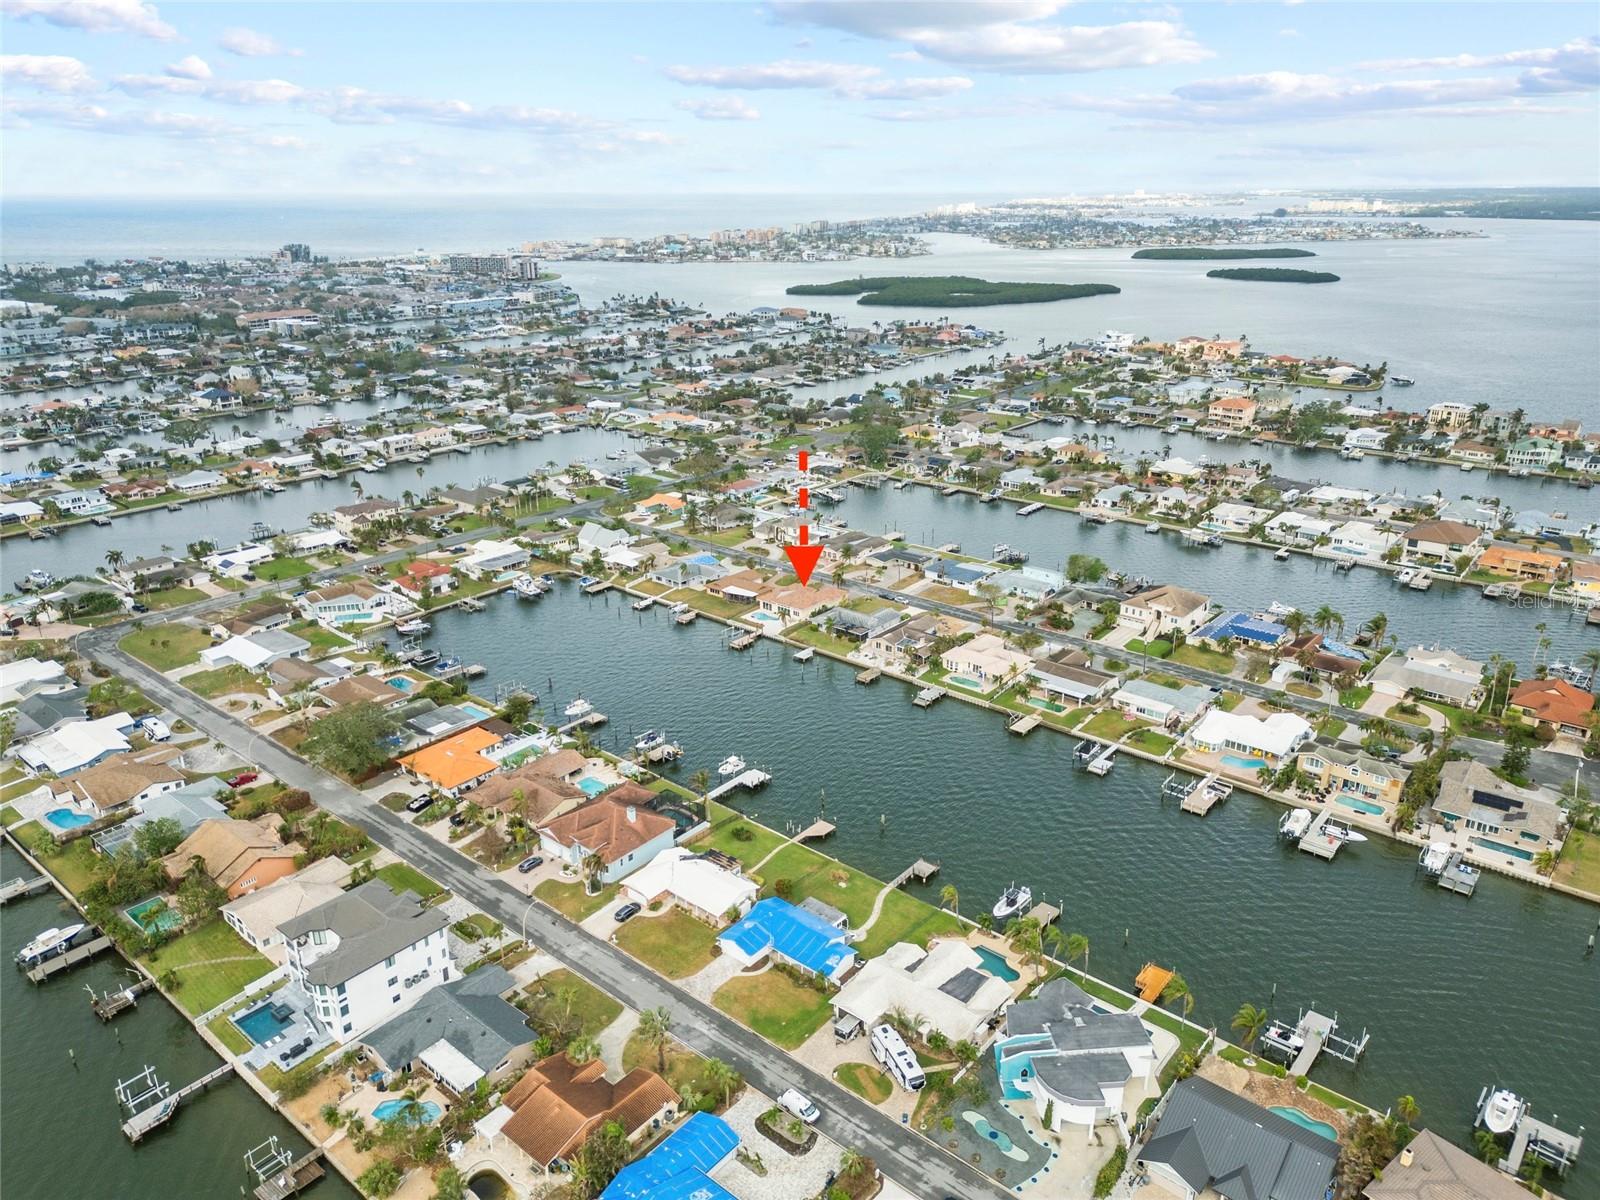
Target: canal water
{"points": [[1457, 993], [1243, 577], [62, 1127]]}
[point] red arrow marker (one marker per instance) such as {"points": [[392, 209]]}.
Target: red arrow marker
{"points": [[804, 556]]}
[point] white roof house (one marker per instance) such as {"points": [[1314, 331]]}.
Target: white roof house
{"points": [[696, 883], [1272, 737], [256, 650], [943, 988], [489, 556], [26, 676], [77, 745]]}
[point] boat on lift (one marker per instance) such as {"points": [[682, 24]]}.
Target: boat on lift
{"points": [[425, 659], [1153, 527], [49, 944], [578, 708], [413, 626], [527, 587], [1294, 823], [650, 740], [731, 765], [1013, 902], [1501, 1112]]}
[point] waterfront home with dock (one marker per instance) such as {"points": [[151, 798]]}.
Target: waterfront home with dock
{"points": [[1432, 673], [694, 882], [1264, 741], [1166, 706], [943, 989], [775, 928], [1430, 543], [238, 856], [617, 826], [985, 661], [354, 602], [1339, 772], [461, 1033], [1163, 609], [1068, 676], [799, 602], [1485, 814]]}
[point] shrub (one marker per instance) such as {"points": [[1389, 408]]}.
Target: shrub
{"points": [[1107, 1177], [743, 833]]}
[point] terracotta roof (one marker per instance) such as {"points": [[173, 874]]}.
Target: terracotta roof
{"points": [[797, 596], [603, 826], [357, 688], [558, 1103], [119, 779], [543, 795], [228, 848], [1553, 700], [1450, 533], [456, 760], [556, 765]]}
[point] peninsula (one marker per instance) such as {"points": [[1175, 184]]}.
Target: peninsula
{"points": [[1273, 275], [1222, 252], [949, 291]]}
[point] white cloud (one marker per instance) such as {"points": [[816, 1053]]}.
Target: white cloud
{"points": [[248, 43], [47, 72], [191, 66], [851, 81], [1573, 66], [1002, 35], [95, 16], [721, 108]]}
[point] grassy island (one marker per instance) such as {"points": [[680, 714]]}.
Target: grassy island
{"points": [[949, 291], [1194, 253], [1274, 275]]}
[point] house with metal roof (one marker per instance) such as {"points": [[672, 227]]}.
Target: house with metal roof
{"points": [[941, 989], [775, 927], [1241, 627], [680, 1167]]}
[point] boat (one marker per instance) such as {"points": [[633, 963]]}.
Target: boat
{"points": [[1501, 1112], [447, 664], [1405, 576], [425, 658], [1097, 518], [1354, 453], [1153, 527], [1279, 609], [1173, 428], [1468, 466], [678, 609], [650, 740], [413, 626], [1294, 823], [48, 944], [1421, 582], [35, 581], [643, 602], [1342, 831], [578, 708], [1013, 902], [272, 489], [901, 484], [1007, 554], [1401, 380], [260, 531], [731, 765], [1520, 472], [1201, 537], [1435, 857], [527, 587], [1283, 554]]}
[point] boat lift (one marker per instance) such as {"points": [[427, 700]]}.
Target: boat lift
{"points": [[1312, 1035]]}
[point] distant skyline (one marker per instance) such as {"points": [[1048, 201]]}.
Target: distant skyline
{"points": [[1021, 97]]}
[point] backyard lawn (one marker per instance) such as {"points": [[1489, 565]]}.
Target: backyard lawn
{"points": [[403, 877], [812, 874], [784, 1012], [572, 900], [811, 635], [674, 943], [1190, 655], [171, 597], [323, 640], [871, 1084], [727, 834], [685, 1069], [76, 864], [906, 919], [275, 570], [561, 1000], [712, 606], [1112, 725], [165, 647], [223, 681], [1580, 861], [212, 963]]}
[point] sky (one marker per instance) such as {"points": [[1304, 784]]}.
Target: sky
{"points": [[106, 98]]}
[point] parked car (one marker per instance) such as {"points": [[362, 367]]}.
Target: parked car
{"points": [[243, 778], [419, 804], [155, 729], [458, 819], [797, 1104], [627, 910], [532, 862]]}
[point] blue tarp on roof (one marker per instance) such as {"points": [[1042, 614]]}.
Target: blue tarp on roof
{"points": [[678, 1169], [1244, 627], [801, 937], [1342, 650]]}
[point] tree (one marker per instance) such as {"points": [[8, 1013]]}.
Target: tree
{"points": [[1514, 762], [1085, 568], [115, 558], [655, 1027], [1177, 992], [1026, 937], [1077, 947], [1406, 1109], [722, 1077], [950, 898], [381, 1179], [351, 740], [1249, 1021], [599, 1159], [185, 431], [449, 1185], [583, 1049], [594, 866], [700, 781]]}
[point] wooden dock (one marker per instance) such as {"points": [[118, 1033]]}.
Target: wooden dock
{"points": [[744, 641], [1206, 795], [1045, 914], [587, 721], [922, 870], [870, 675], [110, 1005], [1318, 840], [1025, 724], [65, 962], [152, 1117], [750, 780], [15, 889], [294, 1178], [685, 618], [598, 586], [928, 696]]}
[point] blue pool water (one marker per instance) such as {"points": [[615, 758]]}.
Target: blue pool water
{"points": [[996, 965], [591, 786], [1305, 1122], [400, 683], [153, 914], [1244, 764], [391, 1110], [1502, 848], [66, 818], [1361, 806], [966, 681], [475, 710], [259, 1025]]}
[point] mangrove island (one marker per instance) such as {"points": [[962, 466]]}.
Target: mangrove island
{"points": [[949, 291], [1222, 252], [1273, 275]]}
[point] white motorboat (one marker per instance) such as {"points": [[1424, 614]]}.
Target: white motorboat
{"points": [[1343, 832], [1435, 857], [1501, 1111], [1013, 902], [1405, 576], [650, 740], [679, 608], [578, 708], [1279, 609], [731, 765], [1153, 527], [1294, 823], [1401, 380], [48, 944], [413, 627], [1283, 554], [1354, 453], [643, 602]]}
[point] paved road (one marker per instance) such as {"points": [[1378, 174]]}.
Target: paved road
{"points": [[906, 1157]]}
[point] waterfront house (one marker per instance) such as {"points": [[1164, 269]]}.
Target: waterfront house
{"points": [[985, 659], [1450, 414], [238, 856], [461, 1033], [1473, 452], [1361, 539], [1436, 542], [425, 577], [1584, 578], [256, 916], [1155, 611], [1432, 673], [1364, 437], [912, 641], [455, 763], [859, 626], [76, 745], [1518, 562], [593, 539], [696, 883], [743, 587], [799, 602], [1534, 452], [158, 571], [679, 1168], [1263, 740], [774, 927], [193, 483], [351, 519], [118, 782], [1337, 771], [1497, 817], [488, 557], [1233, 413], [1068, 677], [1231, 627], [1029, 582], [615, 826], [558, 1103], [1167, 706], [366, 954], [1297, 529], [943, 989], [1073, 1059], [1431, 1168], [87, 502], [354, 602], [1210, 1141], [1229, 517], [1554, 705]]}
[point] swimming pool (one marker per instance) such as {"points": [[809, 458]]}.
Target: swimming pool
{"points": [[1047, 705], [261, 1024], [153, 914], [67, 818], [475, 710], [1306, 1122], [1361, 806], [592, 787], [400, 683], [393, 1110], [995, 964], [965, 681], [1502, 848], [1243, 764]]}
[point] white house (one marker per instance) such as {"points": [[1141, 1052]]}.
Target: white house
{"points": [[692, 882], [256, 650], [193, 482], [354, 602], [1361, 539], [1159, 610], [942, 989], [257, 916], [490, 557], [624, 835], [1270, 739], [76, 745], [365, 954]]}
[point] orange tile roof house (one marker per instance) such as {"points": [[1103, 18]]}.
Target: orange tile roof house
{"points": [[455, 763], [1520, 563], [1554, 704], [801, 603], [624, 834], [1232, 412], [240, 856], [1442, 539], [558, 1103]]}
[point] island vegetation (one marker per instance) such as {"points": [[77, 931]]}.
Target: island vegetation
{"points": [[1273, 275], [949, 291], [1192, 253]]}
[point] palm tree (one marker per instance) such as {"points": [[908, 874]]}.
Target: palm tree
{"points": [[1376, 626], [1250, 1021], [115, 559], [1026, 937], [722, 1077], [655, 1027], [1591, 659], [1177, 992], [950, 898], [594, 866], [583, 1049], [1295, 622], [1077, 947], [1406, 1109], [1327, 619], [851, 1163], [700, 781]]}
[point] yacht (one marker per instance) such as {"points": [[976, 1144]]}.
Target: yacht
{"points": [[526, 587], [731, 765], [1294, 823], [36, 581], [425, 659], [650, 740], [1153, 527], [446, 664], [1353, 453], [1501, 1112], [48, 944], [1013, 902], [578, 708], [1279, 609], [413, 626], [1008, 554]]}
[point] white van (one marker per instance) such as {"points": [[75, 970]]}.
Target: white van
{"points": [[797, 1104], [890, 1049]]}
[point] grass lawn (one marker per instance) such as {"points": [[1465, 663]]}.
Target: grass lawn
{"points": [[906, 919], [477, 927], [813, 874], [228, 1034], [1580, 861], [172, 597], [76, 864], [811, 635], [784, 1012], [165, 647], [560, 998], [712, 606], [683, 1067], [1112, 725], [728, 537], [212, 963], [403, 877], [674, 943], [871, 1084], [117, 695], [276, 570], [223, 681], [1151, 742], [572, 900], [727, 834], [9, 816], [940, 594], [1220, 661], [323, 640], [20, 788]]}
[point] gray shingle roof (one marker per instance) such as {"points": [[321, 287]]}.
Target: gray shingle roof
{"points": [[467, 1012], [372, 923]]}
